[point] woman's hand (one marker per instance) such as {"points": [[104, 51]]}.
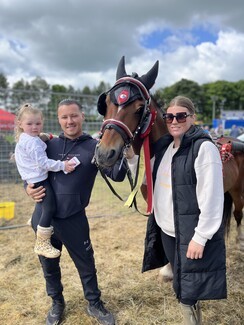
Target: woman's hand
{"points": [[129, 152], [195, 250], [37, 194]]}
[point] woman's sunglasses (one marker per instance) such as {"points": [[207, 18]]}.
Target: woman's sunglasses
{"points": [[180, 117]]}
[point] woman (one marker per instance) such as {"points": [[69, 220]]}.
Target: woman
{"points": [[186, 227]]}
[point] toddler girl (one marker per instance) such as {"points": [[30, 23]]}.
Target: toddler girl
{"points": [[33, 166]]}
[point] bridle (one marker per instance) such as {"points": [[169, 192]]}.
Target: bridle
{"points": [[126, 86], [126, 134]]}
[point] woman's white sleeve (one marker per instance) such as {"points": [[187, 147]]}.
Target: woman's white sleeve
{"points": [[132, 163], [210, 192]]}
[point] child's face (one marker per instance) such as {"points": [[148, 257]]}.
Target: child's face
{"points": [[31, 124]]}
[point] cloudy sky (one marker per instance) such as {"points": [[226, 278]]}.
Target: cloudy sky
{"points": [[79, 42]]}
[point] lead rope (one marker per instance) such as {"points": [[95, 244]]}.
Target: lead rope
{"points": [[109, 184], [128, 172], [143, 165], [131, 201]]}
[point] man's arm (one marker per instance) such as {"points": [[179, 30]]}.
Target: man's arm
{"points": [[118, 172]]}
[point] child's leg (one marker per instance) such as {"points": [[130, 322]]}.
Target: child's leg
{"points": [[48, 204], [44, 232]]}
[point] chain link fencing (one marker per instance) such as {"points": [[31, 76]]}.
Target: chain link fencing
{"points": [[103, 202]]}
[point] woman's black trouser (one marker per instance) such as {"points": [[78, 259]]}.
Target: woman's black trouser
{"points": [[169, 248]]}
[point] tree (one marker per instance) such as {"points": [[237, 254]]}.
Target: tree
{"points": [[40, 92], [71, 90], [58, 93], [88, 101], [3, 90], [183, 87], [21, 93], [86, 91], [220, 94], [240, 90], [102, 87], [39, 84], [3, 81]]}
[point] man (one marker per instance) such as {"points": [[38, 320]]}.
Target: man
{"points": [[71, 228], [234, 132]]}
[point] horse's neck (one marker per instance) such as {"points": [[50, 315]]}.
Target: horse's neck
{"points": [[137, 144], [158, 130]]}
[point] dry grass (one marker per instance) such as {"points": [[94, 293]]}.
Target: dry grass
{"points": [[135, 298]]}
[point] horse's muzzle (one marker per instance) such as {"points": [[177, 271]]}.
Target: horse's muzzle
{"points": [[105, 157]]}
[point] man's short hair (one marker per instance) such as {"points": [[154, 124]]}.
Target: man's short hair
{"points": [[68, 101]]}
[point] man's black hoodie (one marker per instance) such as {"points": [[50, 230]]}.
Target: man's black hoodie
{"points": [[73, 190]]}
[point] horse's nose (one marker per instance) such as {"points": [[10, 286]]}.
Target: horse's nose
{"points": [[111, 153]]}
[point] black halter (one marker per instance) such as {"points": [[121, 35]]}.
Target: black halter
{"points": [[125, 91]]}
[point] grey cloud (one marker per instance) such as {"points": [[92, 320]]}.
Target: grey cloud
{"points": [[73, 37]]}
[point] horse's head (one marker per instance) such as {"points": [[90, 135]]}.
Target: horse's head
{"points": [[126, 111]]}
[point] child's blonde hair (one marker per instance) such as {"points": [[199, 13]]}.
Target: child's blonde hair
{"points": [[23, 110]]}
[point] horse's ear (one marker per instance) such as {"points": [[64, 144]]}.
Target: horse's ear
{"points": [[121, 69], [149, 78]]}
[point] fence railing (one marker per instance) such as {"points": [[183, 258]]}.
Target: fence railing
{"points": [[103, 202]]}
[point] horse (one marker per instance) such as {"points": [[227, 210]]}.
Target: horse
{"points": [[232, 154], [132, 115]]}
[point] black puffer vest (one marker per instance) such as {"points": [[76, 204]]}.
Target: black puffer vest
{"points": [[193, 279]]}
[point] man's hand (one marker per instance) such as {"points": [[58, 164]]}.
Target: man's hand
{"points": [[47, 136], [194, 250], [37, 194], [44, 136]]}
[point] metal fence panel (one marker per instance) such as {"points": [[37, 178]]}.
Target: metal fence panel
{"points": [[102, 203]]}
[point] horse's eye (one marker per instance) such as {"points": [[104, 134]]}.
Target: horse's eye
{"points": [[139, 110]]}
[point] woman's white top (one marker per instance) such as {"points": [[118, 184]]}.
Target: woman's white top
{"points": [[209, 190], [32, 161]]}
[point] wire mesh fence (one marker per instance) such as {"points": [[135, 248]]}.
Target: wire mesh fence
{"points": [[102, 203]]}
